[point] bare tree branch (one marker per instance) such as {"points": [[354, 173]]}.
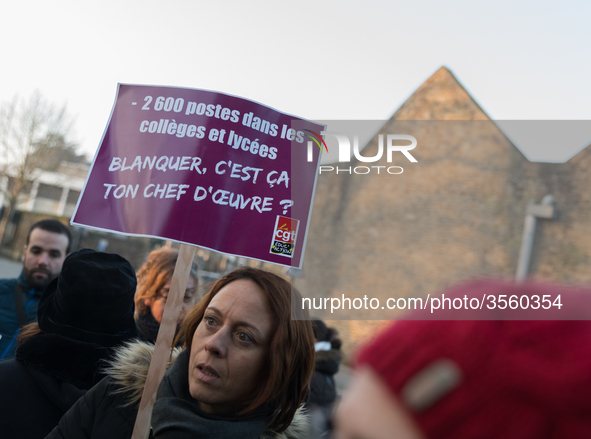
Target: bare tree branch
{"points": [[32, 132]]}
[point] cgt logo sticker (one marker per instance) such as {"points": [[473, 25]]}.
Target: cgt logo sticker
{"points": [[284, 236]]}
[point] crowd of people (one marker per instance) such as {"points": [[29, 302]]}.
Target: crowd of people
{"points": [[78, 331]]}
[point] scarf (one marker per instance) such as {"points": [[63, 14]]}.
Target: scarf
{"points": [[177, 415], [147, 326]]}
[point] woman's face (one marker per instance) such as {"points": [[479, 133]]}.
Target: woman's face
{"points": [[229, 348], [157, 304]]}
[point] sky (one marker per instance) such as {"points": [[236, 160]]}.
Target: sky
{"points": [[319, 60]]}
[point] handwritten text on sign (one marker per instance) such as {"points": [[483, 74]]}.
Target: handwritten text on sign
{"points": [[201, 168]]}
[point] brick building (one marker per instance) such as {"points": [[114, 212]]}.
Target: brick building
{"points": [[458, 213]]}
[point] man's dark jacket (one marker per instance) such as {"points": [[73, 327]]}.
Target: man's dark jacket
{"points": [[8, 318]]}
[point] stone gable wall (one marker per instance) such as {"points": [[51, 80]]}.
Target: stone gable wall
{"points": [[457, 214]]}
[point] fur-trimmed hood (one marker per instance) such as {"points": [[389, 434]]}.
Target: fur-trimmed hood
{"points": [[129, 369]]}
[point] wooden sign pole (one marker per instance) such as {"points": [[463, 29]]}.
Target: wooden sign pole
{"points": [[180, 278]]}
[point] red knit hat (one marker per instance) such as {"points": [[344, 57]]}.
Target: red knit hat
{"points": [[489, 378]]}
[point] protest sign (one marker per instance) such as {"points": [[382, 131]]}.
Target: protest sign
{"points": [[203, 168]]}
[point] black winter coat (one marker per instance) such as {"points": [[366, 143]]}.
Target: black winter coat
{"points": [[109, 410], [323, 389], [101, 413], [47, 376]]}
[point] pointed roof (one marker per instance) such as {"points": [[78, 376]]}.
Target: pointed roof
{"points": [[446, 104], [582, 159], [441, 97], [456, 213]]}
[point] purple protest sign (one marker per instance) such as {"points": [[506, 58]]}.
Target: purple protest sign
{"points": [[203, 168]]}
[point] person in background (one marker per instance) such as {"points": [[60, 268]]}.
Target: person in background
{"points": [[48, 244], [154, 279], [323, 391], [83, 314], [486, 379]]}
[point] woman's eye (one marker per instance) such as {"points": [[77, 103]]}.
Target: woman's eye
{"points": [[209, 321], [243, 336]]}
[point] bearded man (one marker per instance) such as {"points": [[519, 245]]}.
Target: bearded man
{"points": [[48, 244]]}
